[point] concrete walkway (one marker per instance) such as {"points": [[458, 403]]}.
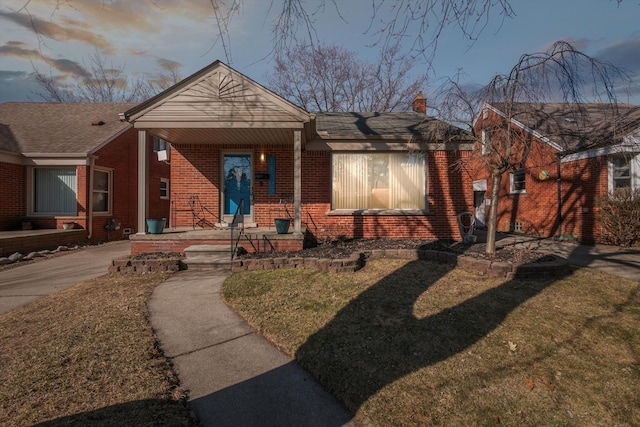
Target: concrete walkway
{"points": [[26, 283], [234, 376]]}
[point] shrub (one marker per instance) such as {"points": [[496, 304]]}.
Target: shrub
{"points": [[620, 216]]}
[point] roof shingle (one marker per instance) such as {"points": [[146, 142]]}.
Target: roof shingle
{"points": [[578, 126], [59, 128]]}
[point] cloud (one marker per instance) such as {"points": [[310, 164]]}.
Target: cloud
{"points": [[19, 50], [168, 64], [68, 66], [15, 84], [581, 45], [49, 29], [624, 54]]}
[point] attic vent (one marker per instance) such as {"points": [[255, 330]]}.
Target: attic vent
{"points": [[97, 123], [570, 120]]}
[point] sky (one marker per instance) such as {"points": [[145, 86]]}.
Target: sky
{"points": [[57, 37]]}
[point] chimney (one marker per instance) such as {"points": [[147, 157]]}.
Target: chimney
{"points": [[420, 104]]}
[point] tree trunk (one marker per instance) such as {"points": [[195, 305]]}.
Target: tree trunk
{"points": [[492, 224]]}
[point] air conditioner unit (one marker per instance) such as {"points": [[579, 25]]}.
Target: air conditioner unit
{"points": [[162, 155]]}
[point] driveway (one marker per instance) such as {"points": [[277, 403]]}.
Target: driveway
{"points": [[26, 283]]}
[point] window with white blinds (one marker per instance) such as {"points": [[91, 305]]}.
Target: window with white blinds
{"points": [[55, 190], [378, 181]]}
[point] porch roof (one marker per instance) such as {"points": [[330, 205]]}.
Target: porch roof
{"points": [[220, 105]]}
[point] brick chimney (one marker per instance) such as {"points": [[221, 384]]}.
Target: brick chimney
{"points": [[420, 104]]}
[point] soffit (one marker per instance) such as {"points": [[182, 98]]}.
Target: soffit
{"points": [[265, 136]]}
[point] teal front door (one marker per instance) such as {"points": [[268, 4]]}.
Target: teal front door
{"points": [[237, 172]]}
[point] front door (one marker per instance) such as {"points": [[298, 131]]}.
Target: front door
{"points": [[237, 169]]}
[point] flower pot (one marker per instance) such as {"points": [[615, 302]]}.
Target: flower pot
{"points": [[282, 225], [155, 225]]}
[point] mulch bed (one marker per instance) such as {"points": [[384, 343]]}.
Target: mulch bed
{"points": [[343, 248]]}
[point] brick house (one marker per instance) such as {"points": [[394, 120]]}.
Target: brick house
{"points": [[371, 175], [578, 153], [73, 163]]}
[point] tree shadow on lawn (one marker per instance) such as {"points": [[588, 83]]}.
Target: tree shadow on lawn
{"points": [[376, 339]]}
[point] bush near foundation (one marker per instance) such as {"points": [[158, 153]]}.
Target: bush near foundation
{"points": [[620, 216]]}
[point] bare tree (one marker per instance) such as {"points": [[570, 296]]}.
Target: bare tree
{"points": [[561, 74], [100, 81], [331, 78]]}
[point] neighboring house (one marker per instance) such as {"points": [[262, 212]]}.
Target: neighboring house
{"points": [[579, 153], [73, 162], [335, 174]]}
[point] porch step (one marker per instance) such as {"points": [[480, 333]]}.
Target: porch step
{"points": [[208, 257]]}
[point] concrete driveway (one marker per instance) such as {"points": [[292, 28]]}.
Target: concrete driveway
{"points": [[28, 282]]}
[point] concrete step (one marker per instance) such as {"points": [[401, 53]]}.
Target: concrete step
{"points": [[207, 257]]}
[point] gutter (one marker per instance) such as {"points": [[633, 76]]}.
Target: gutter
{"points": [[559, 189], [92, 164]]}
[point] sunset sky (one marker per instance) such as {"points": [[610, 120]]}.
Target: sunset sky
{"points": [[57, 37]]}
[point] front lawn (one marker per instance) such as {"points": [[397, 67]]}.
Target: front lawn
{"points": [[88, 356], [421, 343]]}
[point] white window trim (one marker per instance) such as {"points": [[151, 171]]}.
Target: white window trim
{"points": [[512, 190], [168, 182], [486, 143], [634, 166], [109, 212]]}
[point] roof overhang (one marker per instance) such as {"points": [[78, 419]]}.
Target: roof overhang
{"points": [[385, 145], [220, 105]]}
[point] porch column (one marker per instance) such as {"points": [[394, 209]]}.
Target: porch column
{"points": [[297, 181], [143, 180]]}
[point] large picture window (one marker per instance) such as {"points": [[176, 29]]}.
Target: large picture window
{"points": [[378, 181], [54, 191], [102, 191]]}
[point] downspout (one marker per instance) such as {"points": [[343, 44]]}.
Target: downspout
{"points": [[92, 164], [559, 184]]}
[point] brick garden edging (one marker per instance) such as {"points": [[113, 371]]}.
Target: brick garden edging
{"points": [[482, 267], [126, 265]]}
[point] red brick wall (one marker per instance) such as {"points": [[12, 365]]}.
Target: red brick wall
{"points": [[583, 182], [195, 170], [537, 210], [13, 189], [121, 155]]}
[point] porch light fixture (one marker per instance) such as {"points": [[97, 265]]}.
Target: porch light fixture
{"points": [[262, 156]]}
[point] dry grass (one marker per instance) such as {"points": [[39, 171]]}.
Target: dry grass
{"points": [[87, 355], [418, 343]]}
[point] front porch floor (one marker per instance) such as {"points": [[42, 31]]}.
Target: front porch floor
{"points": [[258, 239]]}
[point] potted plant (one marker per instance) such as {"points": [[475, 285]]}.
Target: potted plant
{"points": [[155, 225], [282, 225]]}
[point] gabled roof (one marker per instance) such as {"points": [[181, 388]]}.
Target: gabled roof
{"points": [[409, 126], [217, 97], [576, 126], [42, 128]]}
